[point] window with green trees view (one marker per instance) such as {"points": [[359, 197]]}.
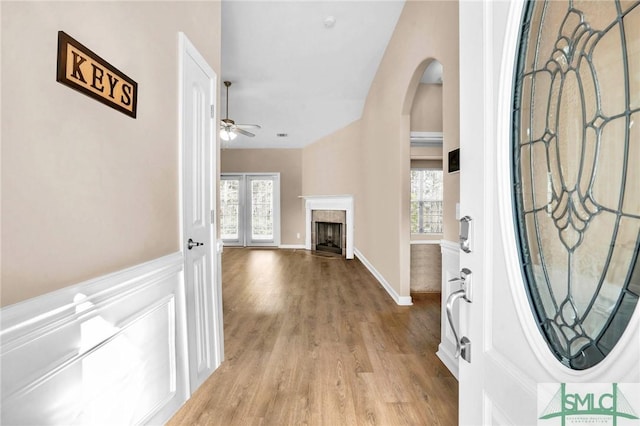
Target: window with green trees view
{"points": [[426, 201]]}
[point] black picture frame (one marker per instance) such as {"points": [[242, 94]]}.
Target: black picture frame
{"points": [[96, 88]]}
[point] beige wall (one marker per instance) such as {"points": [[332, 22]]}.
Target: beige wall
{"points": [[426, 112], [426, 268], [376, 149], [87, 190], [426, 164], [332, 165], [426, 152], [287, 162]]}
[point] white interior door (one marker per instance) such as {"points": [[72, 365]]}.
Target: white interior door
{"points": [[510, 360], [203, 297]]}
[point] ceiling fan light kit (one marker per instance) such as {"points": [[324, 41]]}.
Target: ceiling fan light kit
{"points": [[227, 135], [229, 130]]}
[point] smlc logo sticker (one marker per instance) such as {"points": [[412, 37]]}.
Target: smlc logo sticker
{"points": [[563, 404]]}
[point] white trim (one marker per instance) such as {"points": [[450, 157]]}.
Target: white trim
{"points": [[400, 300], [276, 210], [448, 360], [240, 241], [330, 202], [244, 227], [421, 242], [426, 139], [57, 306], [426, 157], [46, 340], [450, 246], [292, 246]]}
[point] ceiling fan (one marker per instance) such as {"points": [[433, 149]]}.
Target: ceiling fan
{"points": [[229, 130]]}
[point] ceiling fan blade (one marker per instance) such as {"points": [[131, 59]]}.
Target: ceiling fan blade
{"points": [[242, 132], [230, 126], [249, 126]]}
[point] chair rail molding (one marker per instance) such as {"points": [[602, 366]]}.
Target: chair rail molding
{"points": [[110, 350]]}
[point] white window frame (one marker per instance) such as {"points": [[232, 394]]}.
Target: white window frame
{"points": [[244, 227], [440, 200]]}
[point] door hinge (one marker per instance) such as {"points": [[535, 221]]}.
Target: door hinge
{"points": [[213, 111], [213, 217]]}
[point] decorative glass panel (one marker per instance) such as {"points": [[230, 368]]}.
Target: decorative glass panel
{"points": [[576, 171]]}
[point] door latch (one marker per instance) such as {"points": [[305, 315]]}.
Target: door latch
{"points": [[466, 234]]}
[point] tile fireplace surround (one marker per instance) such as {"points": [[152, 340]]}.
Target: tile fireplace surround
{"points": [[330, 202]]}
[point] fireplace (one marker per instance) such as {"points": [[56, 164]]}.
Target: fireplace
{"points": [[329, 237], [328, 231], [331, 209]]}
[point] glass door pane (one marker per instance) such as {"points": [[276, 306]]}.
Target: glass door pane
{"points": [[575, 173], [261, 219], [249, 209], [231, 197]]}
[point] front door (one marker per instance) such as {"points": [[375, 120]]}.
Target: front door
{"points": [[534, 321], [203, 298]]}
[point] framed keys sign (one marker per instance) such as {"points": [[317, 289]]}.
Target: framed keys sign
{"points": [[83, 70]]}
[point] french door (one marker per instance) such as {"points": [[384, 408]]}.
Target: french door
{"points": [[250, 209]]}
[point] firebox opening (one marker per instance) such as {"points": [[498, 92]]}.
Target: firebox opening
{"points": [[329, 237]]}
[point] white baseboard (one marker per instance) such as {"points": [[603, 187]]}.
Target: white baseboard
{"points": [[108, 350], [448, 359], [400, 300], [292, 246]]}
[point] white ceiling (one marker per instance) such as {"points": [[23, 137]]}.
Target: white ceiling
{"points": [[291, 74]]}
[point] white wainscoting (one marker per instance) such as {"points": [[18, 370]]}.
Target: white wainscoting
{"points": [[450, 269], [107, 351]]}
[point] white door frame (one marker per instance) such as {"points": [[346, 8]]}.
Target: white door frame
{"points": [[214, 340], [244, 237]]}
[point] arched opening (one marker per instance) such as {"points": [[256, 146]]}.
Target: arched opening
{"points": [[426, 186]]}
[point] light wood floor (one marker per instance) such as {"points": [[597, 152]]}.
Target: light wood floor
{"points": [[315, 340]]}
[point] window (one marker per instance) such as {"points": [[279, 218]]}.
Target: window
{"points": [[230, 208], [426, 201], [250, 209]]}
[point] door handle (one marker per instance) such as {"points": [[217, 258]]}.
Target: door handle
{"points": [[191, 244], [463, 346]]}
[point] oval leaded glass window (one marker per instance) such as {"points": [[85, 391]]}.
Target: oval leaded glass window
{"points": [[576, 171]]}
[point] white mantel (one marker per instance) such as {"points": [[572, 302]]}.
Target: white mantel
{"points": [[330, 202]]}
